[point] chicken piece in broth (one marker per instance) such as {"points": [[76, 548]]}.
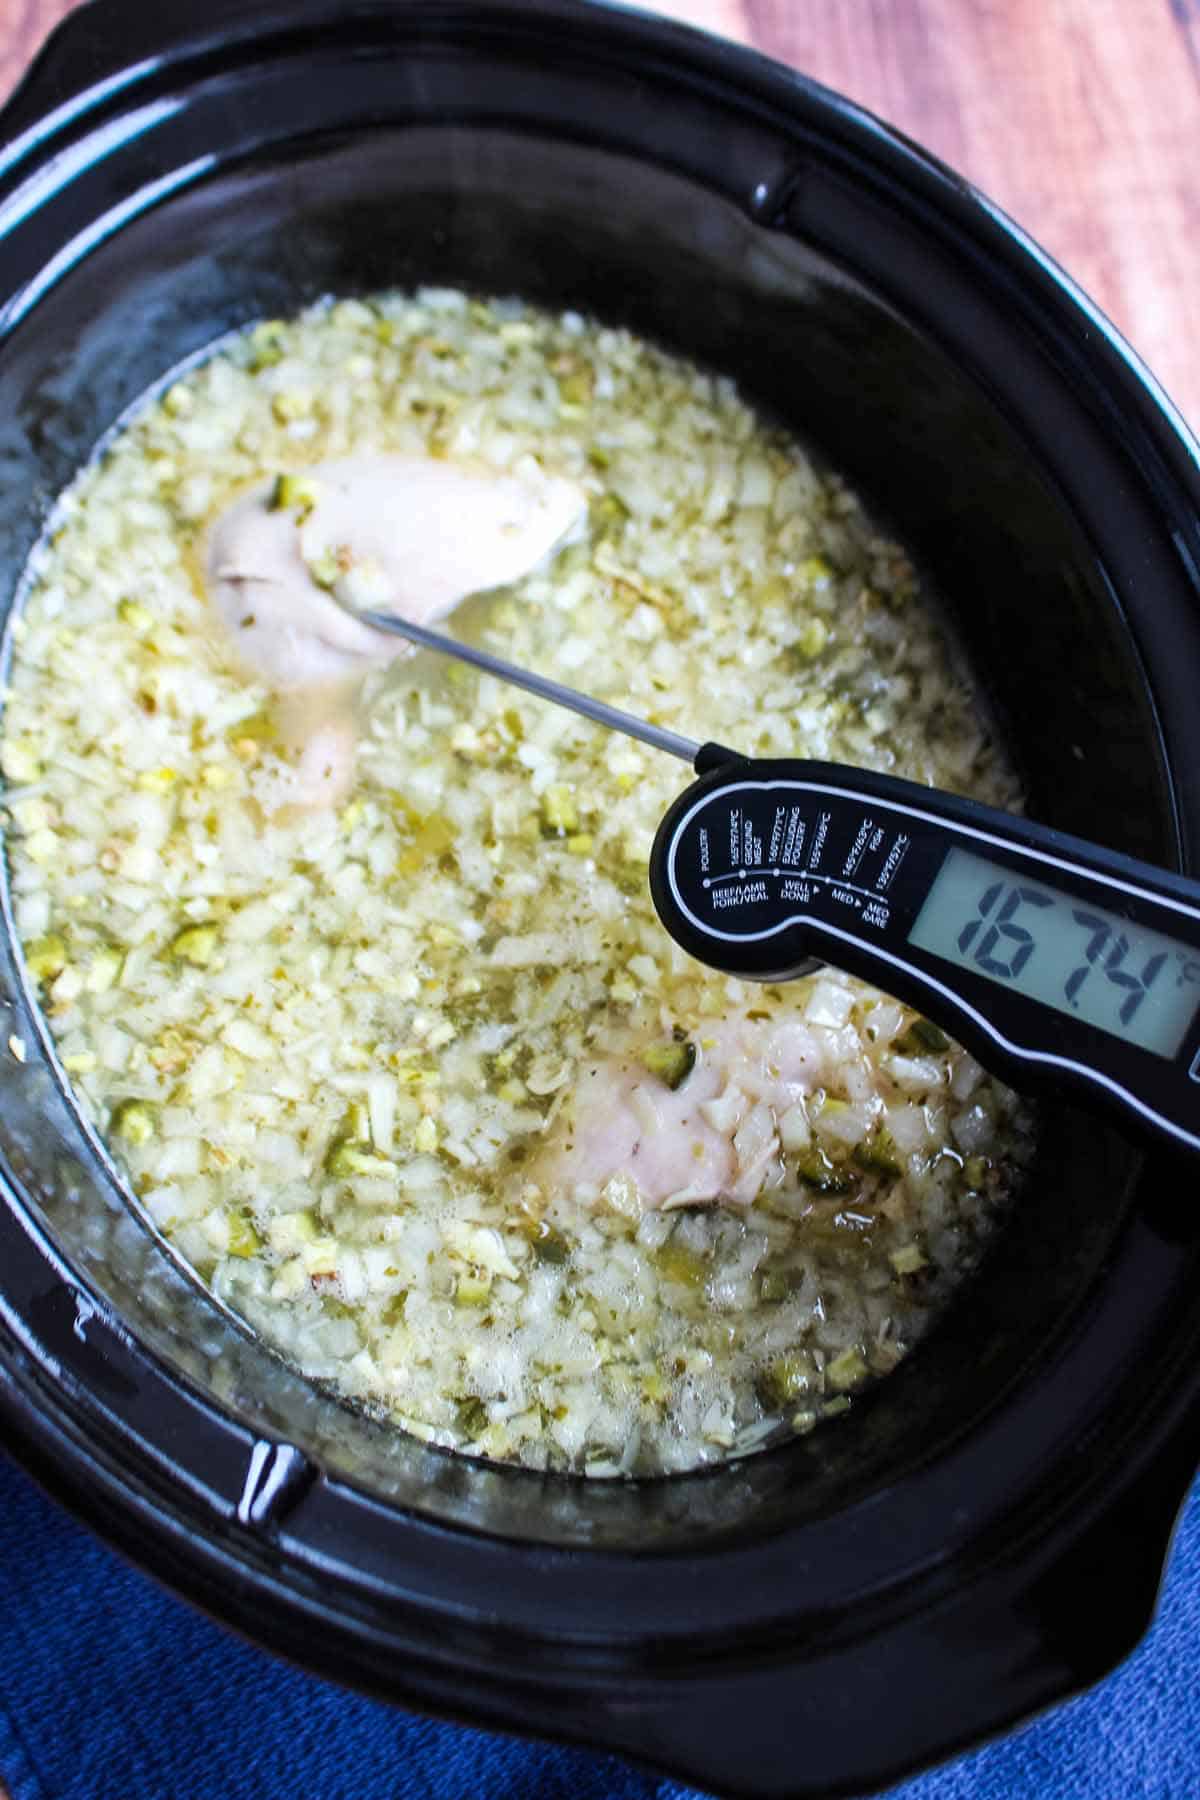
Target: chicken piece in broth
{"points": [[290, 561], [699, 1120]]}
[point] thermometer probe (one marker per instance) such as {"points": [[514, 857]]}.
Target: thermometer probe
{"points": [[1061, 965]]}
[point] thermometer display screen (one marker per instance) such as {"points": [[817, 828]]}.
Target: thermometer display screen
{"points": [[1061, 951]]}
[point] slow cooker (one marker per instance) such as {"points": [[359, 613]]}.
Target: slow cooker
{"points": [[985, 1533]]}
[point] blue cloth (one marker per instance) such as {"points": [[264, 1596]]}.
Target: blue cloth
{"points": [[111, 1689]]}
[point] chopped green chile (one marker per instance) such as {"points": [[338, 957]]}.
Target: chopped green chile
{"points": [[671, 1063], [133, 1121], [550, 1246], [922, 1038], [816, 1170]]}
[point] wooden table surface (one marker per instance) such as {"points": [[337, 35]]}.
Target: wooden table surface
{"points": [[1080, 117]]}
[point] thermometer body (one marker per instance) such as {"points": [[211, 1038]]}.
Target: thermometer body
{"points": [[1058, 963]]}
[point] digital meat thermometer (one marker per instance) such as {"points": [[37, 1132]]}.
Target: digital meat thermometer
{"points": [[1060, 964]]}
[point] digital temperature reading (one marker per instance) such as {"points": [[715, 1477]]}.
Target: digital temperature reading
{"points": [[1059, 964], [1062, 951]]}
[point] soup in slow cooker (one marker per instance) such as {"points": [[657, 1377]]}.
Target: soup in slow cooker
{"points": [[349, 954]]}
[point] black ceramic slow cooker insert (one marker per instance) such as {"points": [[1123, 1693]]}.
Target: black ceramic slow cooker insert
{"points": [[985, 1532]]}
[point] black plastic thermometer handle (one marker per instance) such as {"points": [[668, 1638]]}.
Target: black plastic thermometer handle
{"points": [[1061, 965]]}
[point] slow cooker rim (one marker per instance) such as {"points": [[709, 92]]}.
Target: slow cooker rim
{"points": [[1155, 413], [499, 14], [778, 85], [504, 1699], [82, 1372], [890, 145]]}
